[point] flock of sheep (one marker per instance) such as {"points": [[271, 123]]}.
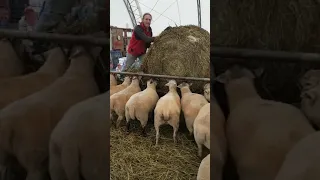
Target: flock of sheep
{"points": [[53, 122], [267, 140], [128, 102]]}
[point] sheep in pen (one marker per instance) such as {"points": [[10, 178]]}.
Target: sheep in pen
{"points": [[42, 113]]}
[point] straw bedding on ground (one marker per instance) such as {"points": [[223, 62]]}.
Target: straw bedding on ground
{"points": [[136, 158]]}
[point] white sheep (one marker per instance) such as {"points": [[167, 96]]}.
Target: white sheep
{"points": [[26, 124], [14, 88], [120, 87], [118, 100], [113, 81], [204, 169], [82, 132], [260, 132], [10, 64], [167, 111], [310, 79], [141, 104], [309, 96], [206, 91], [303, 160], [191, 103], [202, 128], [310, 104]]}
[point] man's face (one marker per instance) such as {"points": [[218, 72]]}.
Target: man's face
{"points": [[147, 20]]}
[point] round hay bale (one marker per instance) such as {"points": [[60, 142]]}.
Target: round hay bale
{"points": [[180, 51], [135, 157]]}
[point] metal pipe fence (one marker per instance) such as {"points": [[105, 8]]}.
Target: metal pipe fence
{"points": [[53, 37], [223, 52], [162, 76]]}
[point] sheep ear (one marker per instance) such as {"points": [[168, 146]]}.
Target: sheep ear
{"points": [[222, 78], [190, 84], [180, 86], [258, 72]]}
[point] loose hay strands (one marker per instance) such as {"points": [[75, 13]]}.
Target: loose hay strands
{"points": [[180, 51], [136, 158]]}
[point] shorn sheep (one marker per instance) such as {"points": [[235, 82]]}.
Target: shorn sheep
{"points": [[10, 64], [167, 111], [260, 132], [310, 94], [204, 169], [206, 91], [118, 100], [120, 87], [310, 79], [191, 103], [310, 104], [113, 81], [141, 104], [14, 88], [26, 124], [78, 145], [303, 160]]}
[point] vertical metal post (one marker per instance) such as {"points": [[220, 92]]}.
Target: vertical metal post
{"points": [[199, 13]]}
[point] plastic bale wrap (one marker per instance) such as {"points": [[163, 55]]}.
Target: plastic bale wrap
{"points": [[286, 25], [179, 51]]}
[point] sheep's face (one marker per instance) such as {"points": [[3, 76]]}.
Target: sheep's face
{"points": [[127, 79], [172, 83], [237, 72], [206, 90], [184, 85], [310, 105], [152, 82], [310, 79]]}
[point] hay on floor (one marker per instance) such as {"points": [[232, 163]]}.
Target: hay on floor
{"points": [[135, 157]]}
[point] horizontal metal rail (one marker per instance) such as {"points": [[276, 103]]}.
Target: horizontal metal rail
{"points": [[54, 37], [162, 76], [223, 52]]}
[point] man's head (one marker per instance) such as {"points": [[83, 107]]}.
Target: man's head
{"points": [[146, 19]]}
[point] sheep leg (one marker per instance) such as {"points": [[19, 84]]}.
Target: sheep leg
{"points": [[3, 168], [157, 135], [119, 120], [128, 122], [199, 149], [175, 129], [128, 127], [144, 121], [7, 170], [55, 164], [157, 127], [34, 161]]}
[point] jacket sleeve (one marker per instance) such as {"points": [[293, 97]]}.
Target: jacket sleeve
{"points": [[141, 35]]}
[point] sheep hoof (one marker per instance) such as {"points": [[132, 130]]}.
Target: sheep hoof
{"points": [[127, 132]]}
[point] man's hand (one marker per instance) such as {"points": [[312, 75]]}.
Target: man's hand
{"points": [[155, 37]]}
